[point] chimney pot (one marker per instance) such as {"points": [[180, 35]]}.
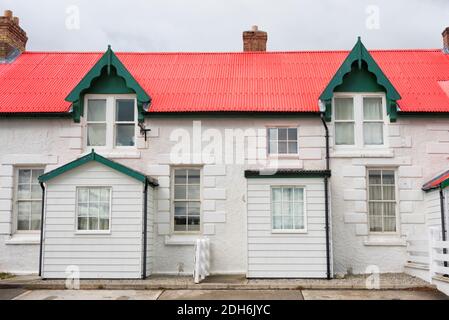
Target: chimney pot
{"points": [[255, 40], [8, 14], [16, 20]]}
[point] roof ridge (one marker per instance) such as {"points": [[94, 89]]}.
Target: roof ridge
{"points": [[226, 52]]}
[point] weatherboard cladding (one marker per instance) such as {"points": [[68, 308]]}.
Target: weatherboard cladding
{"points": [[39, 82]]}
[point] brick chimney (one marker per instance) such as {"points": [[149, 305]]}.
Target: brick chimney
{"points": [[13, 38], [446, 40], [255, 40]]}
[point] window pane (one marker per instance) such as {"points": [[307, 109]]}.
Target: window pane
{"points": [[388, 177], [374, 177], [193, 192], [298, 194], [276, 194], [24, 212], [83, 194], [93, 223], [344, 133], [287, 194], [282, 134], [194, 223], [273, 134], [389, 193], [96, 135], [287, 222], [344, 109], [292, 134], [82, 210], [36, 192], [194, 208], [125, 135], [24, 176], [375, 193], [180, 176], [277, 209], [104, 223], [277, 222], [24, 191], [96, 110], [180, 223], [292, 147], [180, 208], [105, 195], [373, 133], [282, 147], [82, 223], [94, 195], [194, 177], [298, 210], [125, 110], [273, 147], [180, 192], [372, 108], [104, 210], [35, 175]]}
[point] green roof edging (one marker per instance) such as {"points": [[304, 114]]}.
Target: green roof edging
{"points": [[109, 59], [287, 173], [96, 157], [359, 54]]}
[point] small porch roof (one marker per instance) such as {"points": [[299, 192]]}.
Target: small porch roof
{"points": [[96, 157], [440, 181]]}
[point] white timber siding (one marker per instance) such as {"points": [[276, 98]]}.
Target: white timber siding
{"points": [[117, 254], [286, 255], [433, 208]]}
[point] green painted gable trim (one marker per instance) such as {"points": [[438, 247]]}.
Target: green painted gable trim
{"points": [[97, 81], [359, 57], [287, 174], [96, 157], [444, 184]]}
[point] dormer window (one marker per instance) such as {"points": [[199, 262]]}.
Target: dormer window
{"points": [[110, 121], [359, 120]]}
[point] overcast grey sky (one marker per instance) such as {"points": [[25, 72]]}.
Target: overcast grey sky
{"points": [[216, 25]]}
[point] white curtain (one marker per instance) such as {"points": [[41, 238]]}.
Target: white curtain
{"points": [[344, 125], [382, 204], [372, 112]]}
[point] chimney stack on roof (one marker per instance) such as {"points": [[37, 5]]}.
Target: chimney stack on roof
{"points": [[255, 40], [13, 38], [446, 40]]}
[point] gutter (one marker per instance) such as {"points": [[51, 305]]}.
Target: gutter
{"points": [[42, 229], [145, 227], [326, 200]]}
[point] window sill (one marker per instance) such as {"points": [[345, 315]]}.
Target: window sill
{"points": [[288, 231], [181, 240], [18, 239], [362, 153], [385, 241], [92, 233], [283, 156]]}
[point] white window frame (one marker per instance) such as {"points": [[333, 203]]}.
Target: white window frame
{"points": [[287, 231], [81, 232], [359, 121], [282, 155], [16, 200], [172, 200], [396, 190], [111, 122]]}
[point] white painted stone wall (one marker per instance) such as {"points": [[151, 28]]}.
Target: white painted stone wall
{"points": [[418, 149]]}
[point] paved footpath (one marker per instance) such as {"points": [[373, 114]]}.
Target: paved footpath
{"points": [[221, 294]]}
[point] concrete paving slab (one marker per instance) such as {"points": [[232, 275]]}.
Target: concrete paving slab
{"points": [[373, 295], [8, 294], [231, 295], [91, 295]]}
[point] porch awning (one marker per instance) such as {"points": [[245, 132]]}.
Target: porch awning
{"points": [[440, 181]]}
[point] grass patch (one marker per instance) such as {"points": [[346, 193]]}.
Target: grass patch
{"points": [[5, 275]]}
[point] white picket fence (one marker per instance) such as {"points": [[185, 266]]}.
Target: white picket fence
{"points": [[427, 255]]}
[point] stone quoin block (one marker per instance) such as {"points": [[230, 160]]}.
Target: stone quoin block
{"points": [[214, 217], [214, 194], [410, 172], [159, 170], [354, 194], [214, 170], [354, 171]]}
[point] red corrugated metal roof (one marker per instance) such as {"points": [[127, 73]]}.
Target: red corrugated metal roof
{"points": [[265, 82]]}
